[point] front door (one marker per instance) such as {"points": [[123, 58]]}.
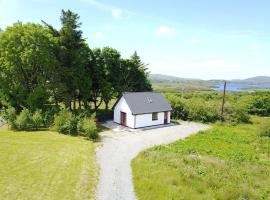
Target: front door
{"points": [[165, 117], [123, 119]]}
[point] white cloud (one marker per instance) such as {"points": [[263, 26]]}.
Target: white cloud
{"points": [[117, 13], [99, 35], [165, 31]]}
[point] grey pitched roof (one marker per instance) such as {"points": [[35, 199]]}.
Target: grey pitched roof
{"points": [[146, 102]]}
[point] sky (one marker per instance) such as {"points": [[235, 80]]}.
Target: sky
{"points": [[205, 39]]}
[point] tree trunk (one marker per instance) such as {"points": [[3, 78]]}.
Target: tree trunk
{"points": [[80, 104], [74, 103], [106, 105]]}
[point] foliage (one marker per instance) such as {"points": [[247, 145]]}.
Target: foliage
{"points": [[260, 104], [48, 117], [205, 106], [9, 115], [37, 98], [23, 120], [26, 60], [65, 122], [42, 66], [37, 120], [225, 162], [88, 128], [236, 114], [30, 161]]}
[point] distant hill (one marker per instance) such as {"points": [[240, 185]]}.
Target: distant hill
{"points": [[161, 78], [163, 82], [256, 79]]}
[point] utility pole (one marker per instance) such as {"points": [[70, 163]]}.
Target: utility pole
{"points": [[223, 100]]}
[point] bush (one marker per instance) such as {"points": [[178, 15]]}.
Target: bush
{"points": [[87, 127], [9, 115], [23, 120], [65, 122], [37, 120], [260, 105], [48, 117], [235, 115], [205, 112]]}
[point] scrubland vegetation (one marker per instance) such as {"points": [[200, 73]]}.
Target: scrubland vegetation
{"points": [[206, 106], [229, 161], [225, 162]]}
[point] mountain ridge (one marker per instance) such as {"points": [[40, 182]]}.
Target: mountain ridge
{"points": [[161, 78]]}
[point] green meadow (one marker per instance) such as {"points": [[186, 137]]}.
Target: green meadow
{"points": [[46, 165], [225, 162]]}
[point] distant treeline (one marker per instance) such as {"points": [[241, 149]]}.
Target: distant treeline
{"points": [[206, 106], [41, 66]]}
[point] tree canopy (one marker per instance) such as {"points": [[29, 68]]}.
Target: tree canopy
{"points": [[41, 66]]}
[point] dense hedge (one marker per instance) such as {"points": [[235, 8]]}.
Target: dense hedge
{"points": [[206, 107], [63, 121]]}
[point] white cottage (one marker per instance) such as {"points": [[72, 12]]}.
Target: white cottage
{"points": [[141, 109]]}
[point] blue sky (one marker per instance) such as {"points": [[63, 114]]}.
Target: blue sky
{"points": [[205, 39]]}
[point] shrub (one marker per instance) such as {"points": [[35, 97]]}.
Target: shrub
{"points": [[87, 127], [65, 122], [37, 120], [260, 105], [235, 115], [9, 115], [205, 112], [48, 117], [23, 120], [179, 108]]}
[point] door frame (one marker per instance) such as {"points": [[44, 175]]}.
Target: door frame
{"points": [[123, 118], [165, 117]]}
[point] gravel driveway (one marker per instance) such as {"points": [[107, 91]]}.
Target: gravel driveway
{"points": [[119, 148]]}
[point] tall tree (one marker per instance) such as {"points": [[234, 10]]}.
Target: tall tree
{"points": [[26, 57], [73, 54]]}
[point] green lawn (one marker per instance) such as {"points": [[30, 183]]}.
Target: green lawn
{"points": [[46, 165], [226, 162]]}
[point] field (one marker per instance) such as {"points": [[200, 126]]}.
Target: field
{"points": [[46, 165], [226, 162]]}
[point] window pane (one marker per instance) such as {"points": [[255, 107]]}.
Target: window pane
{"points": [[154, 116]]}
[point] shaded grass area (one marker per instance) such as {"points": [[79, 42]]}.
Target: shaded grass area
{"points": [[226, 162], [46, 165]]}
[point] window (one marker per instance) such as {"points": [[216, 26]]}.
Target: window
{"points": [[154, 116]]}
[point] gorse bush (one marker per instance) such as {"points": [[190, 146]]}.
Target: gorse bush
{"points": [[87, 127], [65, 122]]}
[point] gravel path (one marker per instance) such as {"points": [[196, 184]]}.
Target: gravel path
{"points": [[119, 148]]}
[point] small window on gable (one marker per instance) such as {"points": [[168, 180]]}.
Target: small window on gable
{"points": [[154, 116]]}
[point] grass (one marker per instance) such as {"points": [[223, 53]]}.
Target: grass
{"points": [[226, 162], [46, 165]]}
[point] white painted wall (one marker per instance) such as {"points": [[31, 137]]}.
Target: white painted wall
{"points": [[122, 106], [146, 120], [139, 120]]}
